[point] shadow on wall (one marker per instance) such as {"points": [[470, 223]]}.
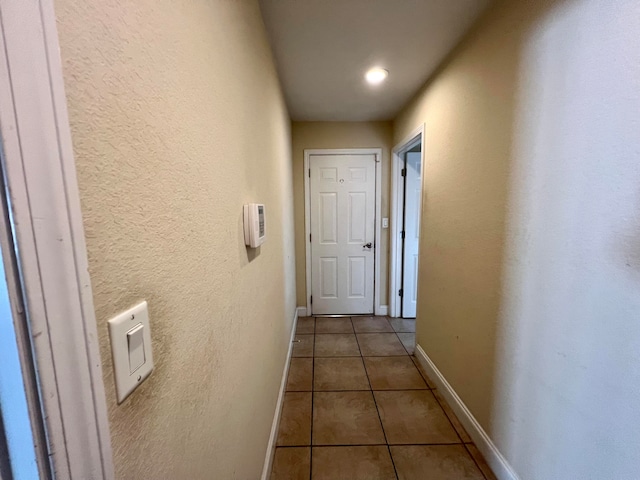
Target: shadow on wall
{"points": [[530, 245], [567, 369]]}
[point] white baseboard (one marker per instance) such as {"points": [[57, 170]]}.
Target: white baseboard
{"points": [[492, 455], [382, 310], [271, 447]]}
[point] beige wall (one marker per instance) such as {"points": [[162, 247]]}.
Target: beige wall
{"points": [[463, 213], [308, 135], [178, 120], [530, 265]]}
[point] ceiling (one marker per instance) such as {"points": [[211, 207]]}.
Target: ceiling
{"points": [[324, 47]]}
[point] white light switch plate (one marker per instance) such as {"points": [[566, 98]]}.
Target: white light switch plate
{"points": [[126, 349], [385, 223]]}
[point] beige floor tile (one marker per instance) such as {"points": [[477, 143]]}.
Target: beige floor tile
{"points": [[403, 324], [346, 418], [414, 417], [380, 344], [479, 458], [344, 373], [371, 324], [336, 345], [442, 462], [393, 373], [408, 341], [333, 325], [300, 377], [302, 346], [452, 417], [305, 325], [352, 463], [291, 463], [422, 372], [295, 421]]}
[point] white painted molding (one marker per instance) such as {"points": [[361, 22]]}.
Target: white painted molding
{"points": [[40, 175], [492, 455], [307, 231], [378, 220], [395, 228], [302, 311], [271, 446], [396, 211], [384, 310], [378, 232]]}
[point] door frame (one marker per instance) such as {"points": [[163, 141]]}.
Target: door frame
{"points": [[50, 250], [397, 213], [377, 152]]}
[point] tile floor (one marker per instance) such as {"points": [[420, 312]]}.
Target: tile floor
{"points": [[358, 407]]}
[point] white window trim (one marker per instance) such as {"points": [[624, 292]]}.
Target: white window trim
{"points": [[377, 308], [49, 237], [396, 211]]}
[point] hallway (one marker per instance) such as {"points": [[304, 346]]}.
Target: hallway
{"points": [[163, 268], [358, 406]]}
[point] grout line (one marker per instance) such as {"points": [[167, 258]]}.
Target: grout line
{"points": [[404, 355], [365, 390], [379, 445], [423, 375], [352, 332], [313, 379], [335, 333], [359, 349], [401, 343], [375, 445], [447, 416], [474, 460], [377, 410]]}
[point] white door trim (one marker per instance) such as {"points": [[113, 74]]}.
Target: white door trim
{"points": [[49, 236], [396, 213], [378, 222]]}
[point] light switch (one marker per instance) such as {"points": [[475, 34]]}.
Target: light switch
{"points": [[136, 347], [385, 223], [130, 336]]}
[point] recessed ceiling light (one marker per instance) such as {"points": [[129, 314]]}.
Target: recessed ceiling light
{"points": [[376, 75]]}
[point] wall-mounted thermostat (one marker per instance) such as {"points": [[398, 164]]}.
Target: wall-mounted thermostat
{"points": [[254, 232]]}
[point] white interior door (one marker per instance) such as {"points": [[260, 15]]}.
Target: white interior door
{"points": [[413, 199], [342, 219]]}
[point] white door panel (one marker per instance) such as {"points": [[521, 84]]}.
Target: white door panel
{"points": [[328, 216], [342, 219], [413, 199]]}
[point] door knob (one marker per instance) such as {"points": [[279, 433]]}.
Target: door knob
{"points": [[367, 245]]}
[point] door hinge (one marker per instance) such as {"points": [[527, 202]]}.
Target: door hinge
{"points": [[309, 237], [404, 172], [311, 301], [402, 234], [309, 173], [400, 292]]}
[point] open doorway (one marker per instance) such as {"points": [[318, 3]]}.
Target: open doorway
{"points": [[52, 400], [23, 446], [406, 196]]}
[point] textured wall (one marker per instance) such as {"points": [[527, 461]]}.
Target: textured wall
{"points": [[178, 120], [308, 135], [530, 245]]}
